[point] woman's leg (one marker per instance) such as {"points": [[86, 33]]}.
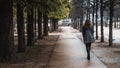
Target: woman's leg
{"points": [[88, 48]]}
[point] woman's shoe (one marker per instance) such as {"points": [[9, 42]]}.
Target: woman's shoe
{"points": [[88, 57]]}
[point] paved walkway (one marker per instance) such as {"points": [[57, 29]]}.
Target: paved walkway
{"points": [[70, 53]]}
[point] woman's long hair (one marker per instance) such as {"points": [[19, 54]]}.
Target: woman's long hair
{"points": [[87, 23]]}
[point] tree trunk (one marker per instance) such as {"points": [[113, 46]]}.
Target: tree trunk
{"points": [[111, 22], [55, 24], [20, 28], [89, 9], [93, 16], [81, 20], [51, 26], [115, 23], [30, 28], [35, 23], [118, 22], [54, 29], [96, 19], [6, 30], [40, 32], [45, 24], [74, 23], [101, 13]]}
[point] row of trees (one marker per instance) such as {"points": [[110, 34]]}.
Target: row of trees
{"points": [[93, 9], [37, 11]]}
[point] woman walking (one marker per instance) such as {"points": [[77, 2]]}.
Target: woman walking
{"points": [[88, 38]]}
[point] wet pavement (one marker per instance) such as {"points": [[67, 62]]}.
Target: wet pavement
{"points": [[70, 53], [110, 56]]}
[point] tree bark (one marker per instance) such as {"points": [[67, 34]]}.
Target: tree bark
{"points": [[115, 22], [20, 28], [117, 26], [55, 24], [30, 27], [74, 23], [51, 26], [81, 20], [54, 27], [101, 13], [6, 30], [96, 19], [118, 22], [40, 27], [111, 22], [93, 16], [35, 24], [45, 24], [89, 9]]}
